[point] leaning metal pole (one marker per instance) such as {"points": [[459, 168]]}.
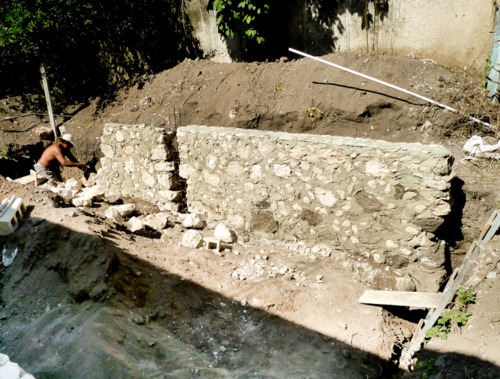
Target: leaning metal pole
{"points": [[394, 87]]}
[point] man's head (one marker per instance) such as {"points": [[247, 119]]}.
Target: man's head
{"points": [[68, 140]]}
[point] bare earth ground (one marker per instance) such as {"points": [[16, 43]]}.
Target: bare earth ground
{"points": [[85, 298]]}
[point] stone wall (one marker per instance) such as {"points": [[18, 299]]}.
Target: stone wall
{"points": [[139, 163], [380, 199]]}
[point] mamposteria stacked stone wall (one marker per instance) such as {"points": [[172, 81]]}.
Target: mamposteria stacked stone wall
{"points": [[139, 163], [380, 199]]}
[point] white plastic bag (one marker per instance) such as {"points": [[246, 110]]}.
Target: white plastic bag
{"points": [[475, 146], [8, 255]]}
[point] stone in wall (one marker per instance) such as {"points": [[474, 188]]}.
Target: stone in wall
{"points": [[138, 162], [381, 199]]}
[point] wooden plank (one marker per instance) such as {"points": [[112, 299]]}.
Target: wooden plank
{"points": [[487, 225], [451, 280], [402, 298], [25, 179], [32, 177], [492, 230]]}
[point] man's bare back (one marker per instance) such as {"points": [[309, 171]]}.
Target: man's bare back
{"points": [[56, 152]]}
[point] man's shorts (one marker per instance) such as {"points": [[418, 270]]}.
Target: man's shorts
{"points": [[43, 172]]}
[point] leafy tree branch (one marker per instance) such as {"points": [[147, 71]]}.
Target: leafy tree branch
{"points": [[241, 15]]}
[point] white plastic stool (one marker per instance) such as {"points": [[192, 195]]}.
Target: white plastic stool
{"points": [[11, 210]]}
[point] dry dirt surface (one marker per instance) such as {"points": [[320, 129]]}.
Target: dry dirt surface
{"points": [[85, 298]]}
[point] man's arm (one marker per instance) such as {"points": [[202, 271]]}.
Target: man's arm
{"points": [[64, 162]]}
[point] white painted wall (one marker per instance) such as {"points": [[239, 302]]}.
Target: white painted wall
{"points": [[450, 32]]}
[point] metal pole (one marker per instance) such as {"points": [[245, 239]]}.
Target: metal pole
{"points": [[394, 87], [49, 103]]}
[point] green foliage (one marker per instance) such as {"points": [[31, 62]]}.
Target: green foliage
{"points": [[466, 296], [240, 15], [487, 66], [486, 70], [426, 368], [88, 47], [3, 154], [444, 324]]}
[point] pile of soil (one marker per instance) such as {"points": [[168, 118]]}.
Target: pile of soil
{"points": [[86, 298]]}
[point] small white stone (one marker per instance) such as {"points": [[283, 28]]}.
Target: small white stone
{"points": [[113, 214], [94, 193], [135, 225], [223, 233], [420, 208], [156, 221], [390, 244], [73, 185], [125, 210], [81, 202], [192, 239], [412, 230], [193, 221]]}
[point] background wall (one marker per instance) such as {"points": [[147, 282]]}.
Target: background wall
{"points": [[452, 33]]}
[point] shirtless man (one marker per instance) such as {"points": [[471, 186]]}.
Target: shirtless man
{"points": [[56, 153]]}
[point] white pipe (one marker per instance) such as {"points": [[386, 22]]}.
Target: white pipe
{"points": [[393, 86]]}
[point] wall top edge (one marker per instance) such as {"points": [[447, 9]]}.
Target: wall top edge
{"points": [[317, 139]]}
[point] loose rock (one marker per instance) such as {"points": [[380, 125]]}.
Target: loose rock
{"points": [[223, 233], [192, 239]]}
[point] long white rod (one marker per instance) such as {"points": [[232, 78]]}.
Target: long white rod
{"points": [[393, 86], [49, 102]]}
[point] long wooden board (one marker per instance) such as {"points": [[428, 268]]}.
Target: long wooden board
{"points": [[25, 179], [402, 298]]}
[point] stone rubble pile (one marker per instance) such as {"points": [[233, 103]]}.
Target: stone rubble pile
{"points": [[124, 215], [73, 192]]}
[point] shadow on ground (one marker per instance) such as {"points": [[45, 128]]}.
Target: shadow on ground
{"points": [[75, 305]]}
